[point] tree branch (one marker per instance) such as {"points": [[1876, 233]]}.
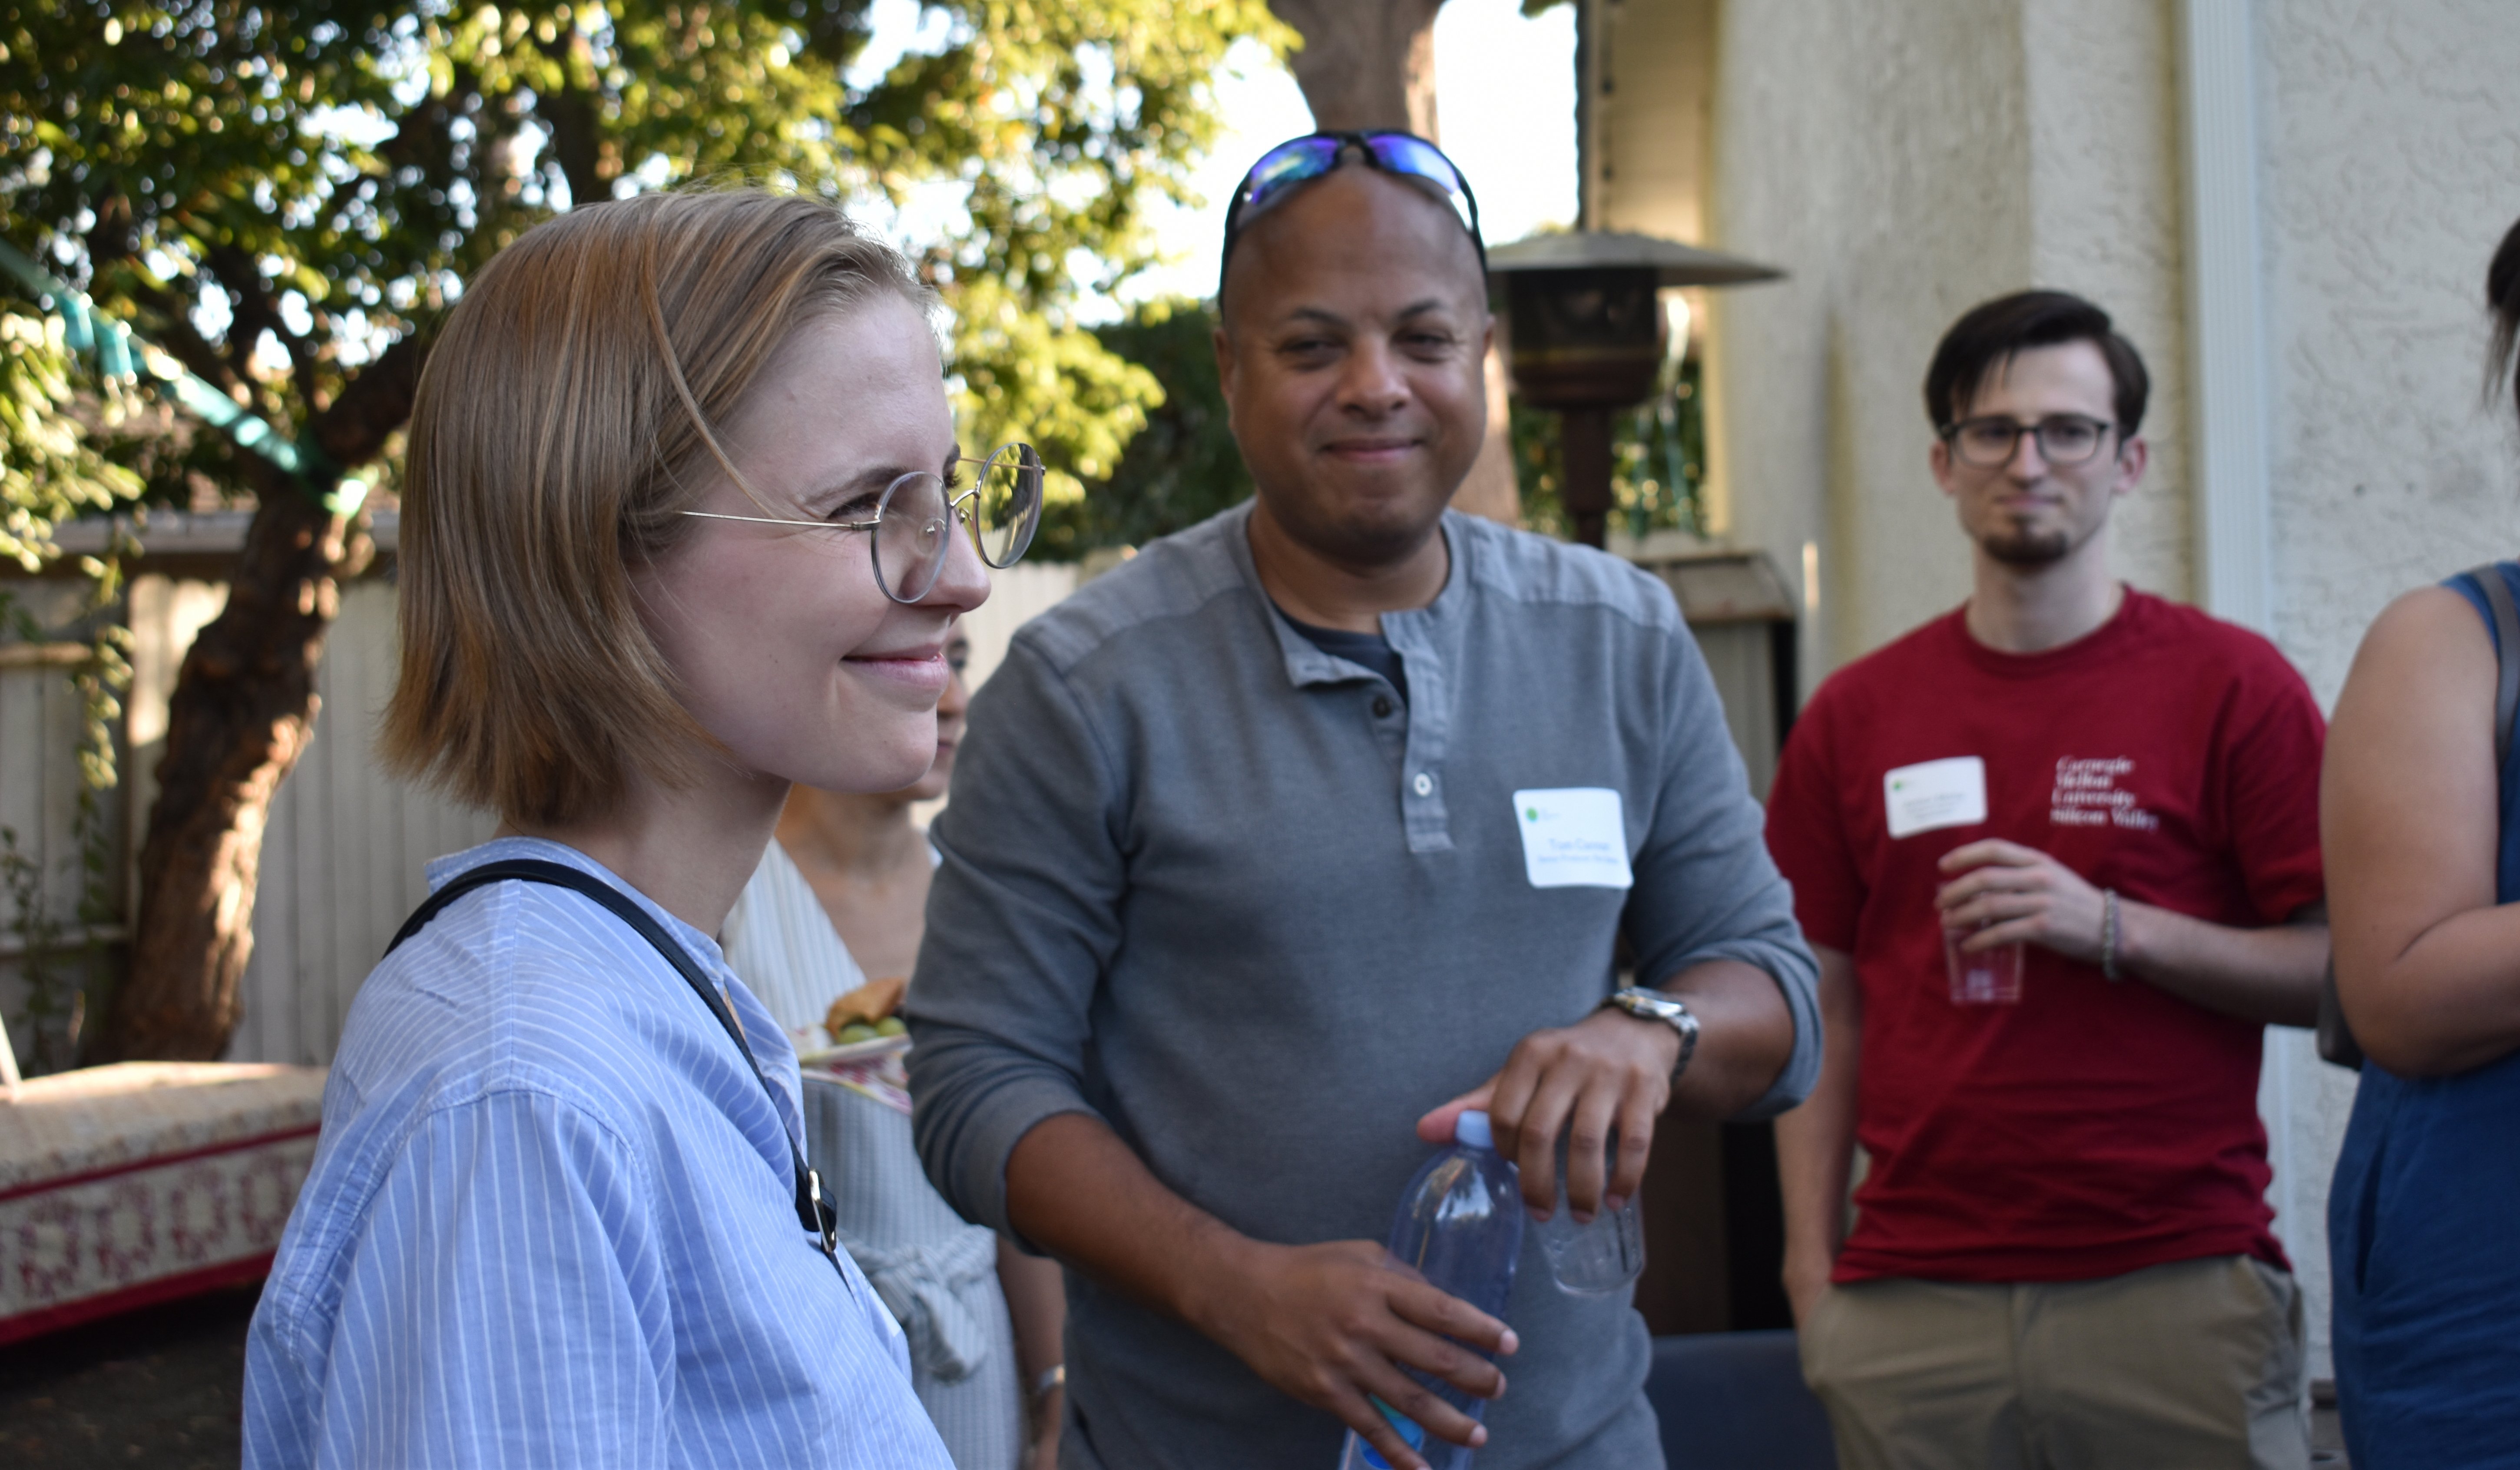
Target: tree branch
{"points": [[577, 128], [372, 405], [112, 238], [256, 313], [171, 327]]}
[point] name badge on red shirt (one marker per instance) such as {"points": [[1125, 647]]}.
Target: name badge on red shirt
{"points": [[1934, 794]]}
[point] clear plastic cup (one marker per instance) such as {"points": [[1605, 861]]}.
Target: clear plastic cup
{"points": [[1601, 1255], [1985, 977], [1596, 1258]]}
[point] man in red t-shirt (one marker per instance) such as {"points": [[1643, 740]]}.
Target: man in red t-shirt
{"points": [[2106, 806]]}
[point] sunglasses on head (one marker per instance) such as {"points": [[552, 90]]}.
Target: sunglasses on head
{"points": [[1300, 160]]}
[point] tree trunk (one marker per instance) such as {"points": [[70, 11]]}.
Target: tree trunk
{"points": [[242, 706], [241, 709], [1366, 64], [1371, 64]]}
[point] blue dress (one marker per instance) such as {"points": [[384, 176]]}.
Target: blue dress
{"points": [[2421, 1239]]}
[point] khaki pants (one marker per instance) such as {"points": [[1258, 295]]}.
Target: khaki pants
{"points": [[2193, 1366]]}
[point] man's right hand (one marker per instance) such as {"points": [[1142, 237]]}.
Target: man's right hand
{"points": [[1330, 1324]]}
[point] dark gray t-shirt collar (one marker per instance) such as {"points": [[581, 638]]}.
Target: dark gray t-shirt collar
{"points": [[1371, 651]]}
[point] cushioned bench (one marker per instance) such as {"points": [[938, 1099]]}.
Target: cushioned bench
{"points": [[135, 1183]]}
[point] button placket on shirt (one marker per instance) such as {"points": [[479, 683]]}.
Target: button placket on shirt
{"points": [[1423, 811]]}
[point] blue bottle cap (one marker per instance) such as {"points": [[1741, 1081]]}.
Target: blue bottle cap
{"points": [[1472, 1129]]}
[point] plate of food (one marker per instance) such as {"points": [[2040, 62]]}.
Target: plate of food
{"points": [[861, 1026]]}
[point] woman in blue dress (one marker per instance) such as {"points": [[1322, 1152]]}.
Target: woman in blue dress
{"points": [[2421, 821]]}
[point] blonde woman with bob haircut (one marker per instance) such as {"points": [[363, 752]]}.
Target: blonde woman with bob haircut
{"points": [[680, 528]]}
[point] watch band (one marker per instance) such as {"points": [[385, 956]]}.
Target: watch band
{"points": [[1657, 1006], [1052, 1377]]}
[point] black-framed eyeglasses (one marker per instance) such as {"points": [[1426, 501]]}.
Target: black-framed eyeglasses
{"points": [[1300, 160], [914, 520], [2063, 439]]}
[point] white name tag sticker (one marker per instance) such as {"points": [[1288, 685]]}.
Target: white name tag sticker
{"points": [[1932, 794], [1573, 837]]}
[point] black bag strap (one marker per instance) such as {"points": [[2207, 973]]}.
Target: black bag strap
{"points": [[2336, 1041], [2507, 643], [813, 1211]]}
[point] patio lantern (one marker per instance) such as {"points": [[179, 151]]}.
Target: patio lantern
{"points": [[1585, 327]]}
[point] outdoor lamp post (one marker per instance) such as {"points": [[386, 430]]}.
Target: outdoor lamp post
{"points": [[1586, 335]]}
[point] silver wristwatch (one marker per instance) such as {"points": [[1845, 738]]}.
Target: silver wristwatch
{"points": [[1656, 1005]]}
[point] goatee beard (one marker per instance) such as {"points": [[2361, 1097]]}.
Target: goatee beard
{"points": [[2026, 548]]}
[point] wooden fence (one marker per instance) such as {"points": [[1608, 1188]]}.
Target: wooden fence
{"points": [[345, 849]]}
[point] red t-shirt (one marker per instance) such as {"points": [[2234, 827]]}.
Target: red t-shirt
{"points": [[2095, 1127]]}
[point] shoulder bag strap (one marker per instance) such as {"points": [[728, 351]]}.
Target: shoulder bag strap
{"points": [[2507, 641], [812, 1211]]}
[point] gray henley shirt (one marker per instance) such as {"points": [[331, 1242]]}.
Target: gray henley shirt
{"points": [[1229, 894]]}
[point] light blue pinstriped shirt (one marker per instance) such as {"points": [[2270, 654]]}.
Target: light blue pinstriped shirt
{"points": [[551, 1222]]}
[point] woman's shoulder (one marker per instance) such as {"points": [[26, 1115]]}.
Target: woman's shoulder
{"points": [[516, 986], [2447, 621], [2427, 664]]}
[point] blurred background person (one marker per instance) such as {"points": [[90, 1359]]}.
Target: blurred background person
{"points": [[2420, 819], [842, 895]]}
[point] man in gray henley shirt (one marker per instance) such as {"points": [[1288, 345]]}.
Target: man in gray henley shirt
{"points": [[1258, 871]]}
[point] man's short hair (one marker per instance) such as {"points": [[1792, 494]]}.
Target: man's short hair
{"points": [[1993, 333], [564, 419]]}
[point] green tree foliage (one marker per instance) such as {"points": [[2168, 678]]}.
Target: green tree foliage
{"points": [[285, 195], [279, 190], [1182, 467], [49, 469]]}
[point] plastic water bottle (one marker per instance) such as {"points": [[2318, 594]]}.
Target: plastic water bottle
{"points": [[1459, 1226]]}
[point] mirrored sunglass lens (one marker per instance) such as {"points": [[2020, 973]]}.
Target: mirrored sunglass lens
{"points": [[1010, 504], [1418, 159], [1287, 164], [1416, 156], [910, 536]]}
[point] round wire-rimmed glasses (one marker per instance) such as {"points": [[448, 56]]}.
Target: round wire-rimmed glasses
{"points": [[914, 520]]}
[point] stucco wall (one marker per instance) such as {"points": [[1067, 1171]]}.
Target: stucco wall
{"points": [[2105, 210], [1905, 163], [2391, 137], [1878, 155]]}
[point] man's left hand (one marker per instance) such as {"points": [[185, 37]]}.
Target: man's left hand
{"points": [[2011, 894], [1607, 1073]]}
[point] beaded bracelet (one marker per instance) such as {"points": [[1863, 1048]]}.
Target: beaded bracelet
{"points": [[2110, 934]]}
